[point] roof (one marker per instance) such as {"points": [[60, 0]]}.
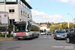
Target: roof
{"points": [[24, 1], [33, 21], [43, 25]]}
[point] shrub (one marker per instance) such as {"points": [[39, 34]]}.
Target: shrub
{"points": [[0, 34], [3, 35]]}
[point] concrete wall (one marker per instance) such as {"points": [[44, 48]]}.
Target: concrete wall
{"points": [[11, 15], [24, 15], [17, 15]]}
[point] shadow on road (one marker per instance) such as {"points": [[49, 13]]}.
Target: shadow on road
{"points": [[27, 39]]}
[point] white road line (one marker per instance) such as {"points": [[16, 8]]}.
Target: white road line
{"points": [[59, 42], [45, 37], [49, 37]]}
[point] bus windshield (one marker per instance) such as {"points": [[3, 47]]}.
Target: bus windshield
{"points": [[41, 31], [20, 28]]}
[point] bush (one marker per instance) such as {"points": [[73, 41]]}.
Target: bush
{"points": [[0, 34], [11, 27], [3, 35]]}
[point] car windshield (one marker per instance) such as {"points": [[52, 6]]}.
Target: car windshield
{"points": [[60, 31]]}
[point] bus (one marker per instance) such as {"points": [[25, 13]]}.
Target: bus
{"points": [[43, 32], [22, 30]]}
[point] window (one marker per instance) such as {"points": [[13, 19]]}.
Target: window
{"points": [[60, 31], [12, 21], [11, 10], [20, 28], [1, 0], [72, 31], [28, 16], [10, 0]]}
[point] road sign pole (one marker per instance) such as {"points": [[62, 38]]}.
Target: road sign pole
{"points": [[5, 31], [6, 25]]}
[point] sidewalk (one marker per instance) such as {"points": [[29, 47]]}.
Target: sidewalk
{"points": [[4, 39]]}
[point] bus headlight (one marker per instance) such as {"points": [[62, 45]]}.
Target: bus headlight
{"points": [[27, 34], [14, 34]]}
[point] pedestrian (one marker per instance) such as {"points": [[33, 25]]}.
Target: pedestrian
{"points": [[9, 33]]}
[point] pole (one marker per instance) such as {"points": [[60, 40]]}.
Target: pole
{"points": [[5, 5], [6, 25], [72, 18]]}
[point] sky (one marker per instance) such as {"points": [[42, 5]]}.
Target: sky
{"points": [[52, 10]]}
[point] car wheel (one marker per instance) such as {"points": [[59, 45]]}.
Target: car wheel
{"points": [[54, 37], [68, 40]]}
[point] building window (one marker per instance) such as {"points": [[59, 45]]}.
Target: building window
{"points": [[12, 21], [11, 10], [10, 0], [28, 16]]}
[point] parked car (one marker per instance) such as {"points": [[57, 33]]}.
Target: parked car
{"points": [[60, 34], [48, 33], [71, 36]]}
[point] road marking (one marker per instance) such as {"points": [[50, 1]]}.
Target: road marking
{"points": [[45, 37], [49, 37]]}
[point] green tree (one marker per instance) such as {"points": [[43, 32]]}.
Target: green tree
{"points": [[54, 27], [71, 25], [34, 28], [48, 25], [64, 25]]}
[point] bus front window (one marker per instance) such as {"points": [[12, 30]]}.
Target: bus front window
{"points": [[20, 28]]}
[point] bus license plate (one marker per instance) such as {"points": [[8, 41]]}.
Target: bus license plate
{"points": [[20, 37]]}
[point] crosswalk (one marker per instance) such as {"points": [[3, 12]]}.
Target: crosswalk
{"points": [[45, 36]]}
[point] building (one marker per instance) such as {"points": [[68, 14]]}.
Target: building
{"points": [[19, 10], [43, 27]]}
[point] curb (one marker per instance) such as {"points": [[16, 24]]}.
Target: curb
{"points": [[7, 39]]}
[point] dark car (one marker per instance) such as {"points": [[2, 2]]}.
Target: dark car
{"points": [[60, 34], [71, 36], [48, 33]]}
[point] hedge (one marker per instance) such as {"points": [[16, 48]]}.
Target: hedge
{"points": [[3, 35]]}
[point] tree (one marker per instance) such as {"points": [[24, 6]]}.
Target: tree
{"points": [[34, 28], [71, 25], [54, 27], [64, 25], [48, 25]]}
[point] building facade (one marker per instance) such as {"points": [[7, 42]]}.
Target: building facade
{"points": [[18, 10]]}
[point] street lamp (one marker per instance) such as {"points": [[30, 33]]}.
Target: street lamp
{"points": [[6, 25], [72, 18], [5, 5]]}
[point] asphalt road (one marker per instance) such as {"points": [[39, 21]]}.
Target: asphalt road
{"points": [[44, 42]]}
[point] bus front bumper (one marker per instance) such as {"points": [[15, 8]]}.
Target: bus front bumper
{"points": [[23, 37]]}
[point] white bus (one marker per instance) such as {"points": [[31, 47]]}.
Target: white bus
{"points": [[22, 30], [43, 32]]}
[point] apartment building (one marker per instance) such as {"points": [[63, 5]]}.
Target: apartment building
{"points": [[18, 10]]}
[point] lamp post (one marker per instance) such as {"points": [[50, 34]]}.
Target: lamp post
{"points": [[5, 5], [6, 25], [72, 18]]}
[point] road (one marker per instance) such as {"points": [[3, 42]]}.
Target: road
{"points": [[44, 42]]}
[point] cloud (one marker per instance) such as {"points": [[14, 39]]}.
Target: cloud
{"points": [[72, 1], [63, 0], [45, 17], [27, 0]]}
